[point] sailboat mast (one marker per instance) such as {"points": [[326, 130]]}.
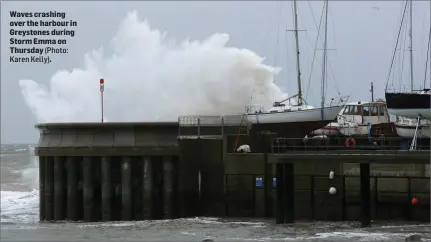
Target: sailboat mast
{"points": [[325, 48], [298, 69], [411, 45]]}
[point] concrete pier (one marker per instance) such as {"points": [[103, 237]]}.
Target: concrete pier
{"points": [[286, 194], [139, 171], [105, 172]]}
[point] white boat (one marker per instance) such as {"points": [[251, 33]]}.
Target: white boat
{"points": [[357, 118], [293, 115], [296, 121], [406, 128], [330, 129]]}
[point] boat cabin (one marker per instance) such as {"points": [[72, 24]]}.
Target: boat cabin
{"points": [[364, 113]]}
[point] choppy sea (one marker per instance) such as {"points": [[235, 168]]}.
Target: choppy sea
{"points": [[20, 208]]}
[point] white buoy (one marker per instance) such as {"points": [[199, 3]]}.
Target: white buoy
{"points": [[331, 175], [332, 190], [244, 148]]}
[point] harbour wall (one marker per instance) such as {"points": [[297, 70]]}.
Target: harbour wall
{"points": [[134, 171], [392, 188]]}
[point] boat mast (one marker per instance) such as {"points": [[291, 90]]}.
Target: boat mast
{"points": [[298, 69], [411, 45], [325, 48]]}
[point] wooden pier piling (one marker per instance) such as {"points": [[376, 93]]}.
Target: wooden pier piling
{"points": [[168, 187], [88, 188], [72, 188], [126, 188], [365, 194], [42, 205], [285, 193], [59, 188], [280, 194], [49, 189], [147, 186], [107, 189], [289, 187]]}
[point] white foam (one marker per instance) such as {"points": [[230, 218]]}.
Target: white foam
{"points": [[361, 236], [30, 175], [151, 78], [23, 206], [19, 207]]}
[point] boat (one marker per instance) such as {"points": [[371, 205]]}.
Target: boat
{"points": [[411, 108], [296, 121], [366, 119], [329, 130], [406, 128], [410, 105], [416, 103]]}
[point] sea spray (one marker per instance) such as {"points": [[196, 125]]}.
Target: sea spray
{"points": [[23, 206], [151, 78], [30, 175]]}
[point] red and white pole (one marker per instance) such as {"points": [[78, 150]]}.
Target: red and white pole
{"points": [[102, 88]]}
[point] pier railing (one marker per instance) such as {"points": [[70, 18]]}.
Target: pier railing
{"points": [[206, 125], [287, 145]]}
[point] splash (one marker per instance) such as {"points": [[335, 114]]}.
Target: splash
{"points": [[30, 175], [23, 206], [151, 78]]}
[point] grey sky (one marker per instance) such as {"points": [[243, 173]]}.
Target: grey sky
{"points": [[365, 33]]}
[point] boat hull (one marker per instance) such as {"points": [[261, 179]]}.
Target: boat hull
{"points": [[408, 131], [409, 105], [386, 129], [307, 115], [353, 130], [293, 124], [329, 130]]}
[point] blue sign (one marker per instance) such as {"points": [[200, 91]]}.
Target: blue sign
{"points": [[259, 182]]}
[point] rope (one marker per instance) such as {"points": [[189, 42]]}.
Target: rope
{"points": [[428, 54], [396, 45], [315, 46]]}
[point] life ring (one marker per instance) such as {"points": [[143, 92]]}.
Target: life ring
{"points": [[350, 142]]}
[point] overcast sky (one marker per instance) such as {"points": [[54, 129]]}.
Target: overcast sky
{"points": [[363, 34]]}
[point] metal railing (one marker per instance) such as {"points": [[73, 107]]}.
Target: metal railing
{"points": [[284, 145], [201, 125]]}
